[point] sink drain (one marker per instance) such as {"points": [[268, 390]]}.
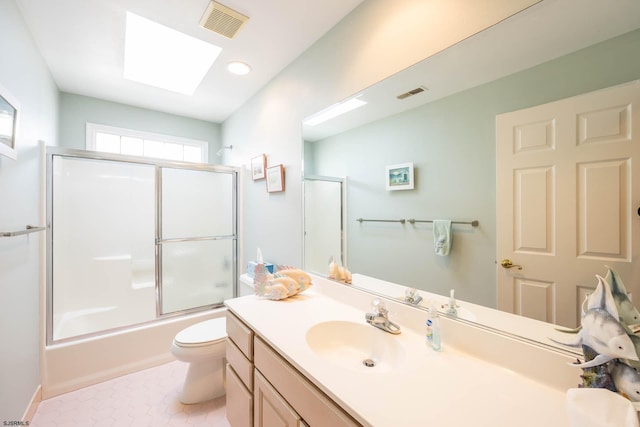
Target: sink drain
{"points": [[369, 363]]}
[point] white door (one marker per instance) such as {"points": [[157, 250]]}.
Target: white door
{"points": [[567, 206]]}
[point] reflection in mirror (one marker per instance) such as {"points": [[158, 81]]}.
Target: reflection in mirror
{"points": [[323, 214], [546, 53]]}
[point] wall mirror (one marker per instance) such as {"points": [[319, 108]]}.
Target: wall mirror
{"points": [[446, 125]]}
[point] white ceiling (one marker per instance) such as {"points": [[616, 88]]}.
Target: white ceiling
{"points": [[82, 42]]}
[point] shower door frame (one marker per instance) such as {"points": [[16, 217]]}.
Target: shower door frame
{"points": [[343, 181], [158, 165]]}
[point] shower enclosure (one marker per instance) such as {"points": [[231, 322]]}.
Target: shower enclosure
{"points": [[132, 240], [324, 222]]}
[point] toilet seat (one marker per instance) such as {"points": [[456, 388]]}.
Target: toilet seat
{"points": [[201, 334]]}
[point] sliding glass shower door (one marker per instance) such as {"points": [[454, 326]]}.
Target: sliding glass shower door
{"points": [[103, 269], [196, 238], [134, 240]]}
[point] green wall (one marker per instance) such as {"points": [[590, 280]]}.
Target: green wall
{"points": [[25, 76], [452, 145], [77, 110]]}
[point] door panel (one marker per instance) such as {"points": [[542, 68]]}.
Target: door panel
{"points": [[566, 203], [534, 207], [196, 238], [535, 299]]}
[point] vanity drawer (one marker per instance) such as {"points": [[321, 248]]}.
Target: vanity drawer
{"points": [[312, 405], [240, 334], [239, 401], [240, 364]]}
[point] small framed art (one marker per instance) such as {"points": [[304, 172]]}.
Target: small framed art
{"points": [[258, 166], [400, 177], [8, 124], [275, 179]]}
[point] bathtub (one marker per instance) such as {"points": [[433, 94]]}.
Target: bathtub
{"points": [[72, 365]]}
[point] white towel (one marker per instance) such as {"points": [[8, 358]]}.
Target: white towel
{"points": [[598, 407], [442, 236]]}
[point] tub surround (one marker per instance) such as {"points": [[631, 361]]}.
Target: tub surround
{"points": [[497, 380]]}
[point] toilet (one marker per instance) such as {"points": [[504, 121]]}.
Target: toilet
{"points": [[245, 285], [202, 346]]}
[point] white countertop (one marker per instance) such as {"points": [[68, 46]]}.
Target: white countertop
{"points": [[446, 388]]}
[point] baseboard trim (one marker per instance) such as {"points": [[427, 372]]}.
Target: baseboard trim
{"points": [[99, 377], [33, 405]]}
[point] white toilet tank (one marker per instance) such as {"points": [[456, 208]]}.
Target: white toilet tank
{"points": [[245, 285]]}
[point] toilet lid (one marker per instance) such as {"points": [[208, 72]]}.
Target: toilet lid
{"points": [[203, 332]]}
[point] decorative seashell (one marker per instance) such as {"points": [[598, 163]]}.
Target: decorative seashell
{"points": [[300, 276], [286, 282]]}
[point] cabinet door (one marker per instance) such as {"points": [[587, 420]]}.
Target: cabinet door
{"points": [[239, 401], [270, 409], [316, 408]]}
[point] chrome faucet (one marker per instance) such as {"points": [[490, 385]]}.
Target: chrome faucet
{"points": [[380, 318], [412, 296]]}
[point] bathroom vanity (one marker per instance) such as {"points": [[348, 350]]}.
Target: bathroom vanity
{"points": [[300, 361], [262, 386]]}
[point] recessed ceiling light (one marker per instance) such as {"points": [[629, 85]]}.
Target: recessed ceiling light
{"points": [[239, 68], [334, 111], [162, 57]]}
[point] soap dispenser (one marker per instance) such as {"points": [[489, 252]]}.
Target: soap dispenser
{"points": [[433, 329]]}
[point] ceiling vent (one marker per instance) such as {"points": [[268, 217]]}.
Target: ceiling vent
{"points": [[222, 20], [412, 92]]}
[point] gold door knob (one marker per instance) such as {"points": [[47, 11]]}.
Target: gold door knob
{"points": [[506, 263]]}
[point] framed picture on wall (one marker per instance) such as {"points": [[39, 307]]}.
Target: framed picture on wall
{"points": [[258, 167], [8, 124], [400, 177], [275, 179]]}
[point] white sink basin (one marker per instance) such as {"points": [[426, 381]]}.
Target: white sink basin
{"points": [[356, 346]]}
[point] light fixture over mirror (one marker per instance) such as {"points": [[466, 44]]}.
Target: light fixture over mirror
{"points": [[334, 111], [548, 52]]}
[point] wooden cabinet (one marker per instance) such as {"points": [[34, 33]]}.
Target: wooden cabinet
{"points": [[239, 401], [275, 394], [307, 400], [270, 409], [239, 355]]}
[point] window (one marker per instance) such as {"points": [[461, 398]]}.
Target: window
{"points": [[110, 139]]}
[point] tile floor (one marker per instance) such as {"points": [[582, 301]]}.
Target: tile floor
{"points": [[145, 398]]}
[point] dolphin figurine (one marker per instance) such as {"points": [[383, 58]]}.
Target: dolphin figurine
{"points": [[628, 314], [627, 380], [602, 331]]}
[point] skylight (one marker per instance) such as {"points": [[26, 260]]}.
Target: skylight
{"points": [[162, 57]]}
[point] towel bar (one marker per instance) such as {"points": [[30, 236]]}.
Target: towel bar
{"points": [[27, 230], [401, 221], [473, 223]]}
